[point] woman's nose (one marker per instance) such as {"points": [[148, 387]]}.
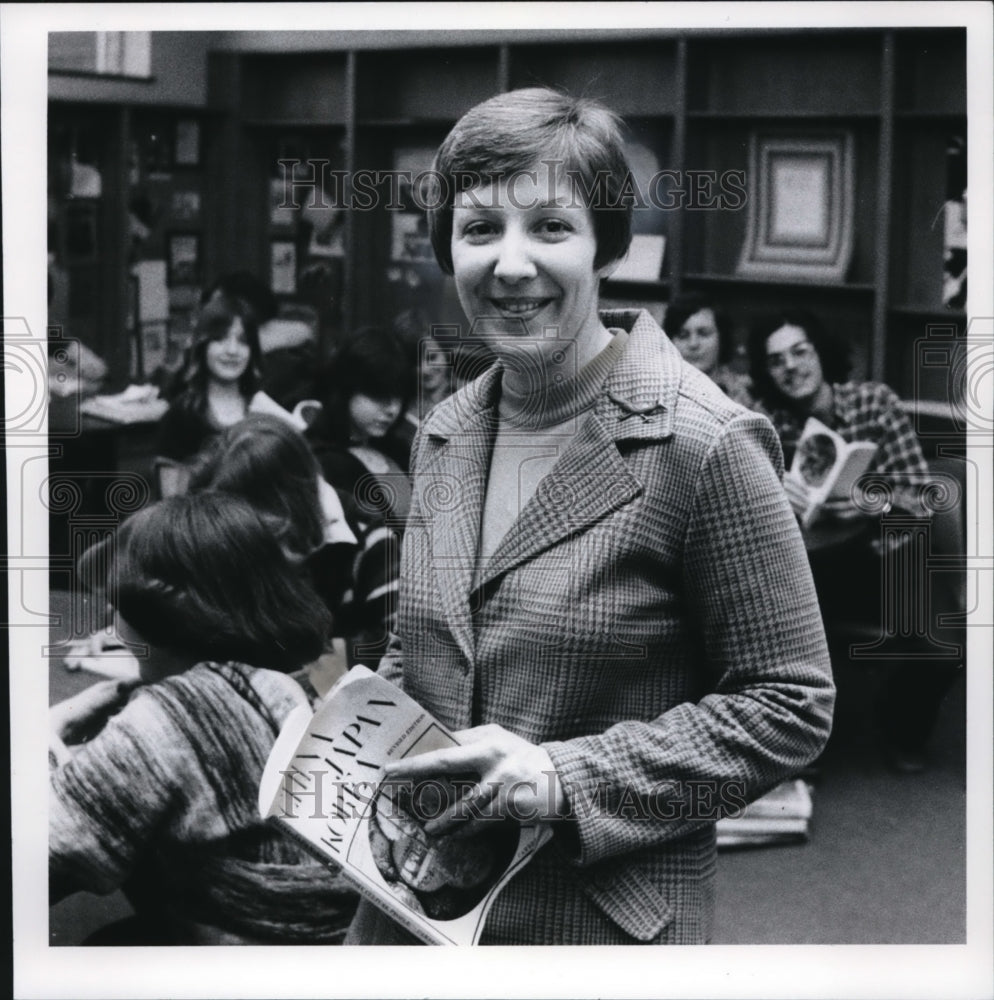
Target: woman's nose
{"points": [[514, 262]]}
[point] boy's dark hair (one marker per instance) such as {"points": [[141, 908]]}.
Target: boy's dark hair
{"points": [[833, 352]]}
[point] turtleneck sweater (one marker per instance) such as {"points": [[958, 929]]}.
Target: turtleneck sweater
{"points": [[533, 429]]}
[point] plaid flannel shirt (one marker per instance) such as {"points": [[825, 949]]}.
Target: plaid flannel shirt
{"points": [[869, 411]]}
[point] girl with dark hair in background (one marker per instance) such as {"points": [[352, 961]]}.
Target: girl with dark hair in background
{"points": [[162, 801], [218, 381], [363, 454]]}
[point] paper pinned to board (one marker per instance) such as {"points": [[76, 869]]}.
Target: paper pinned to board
{"points": [[153, 293]]}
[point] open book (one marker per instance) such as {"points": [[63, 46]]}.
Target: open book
{"points": [[323, 784], [827, 465]]}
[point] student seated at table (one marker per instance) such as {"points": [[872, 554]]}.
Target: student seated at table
{"points": [[162, 801], [218, 381], [702, 333], [800, 370]]}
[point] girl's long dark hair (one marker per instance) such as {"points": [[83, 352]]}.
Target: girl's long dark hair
{"points": [[188, 391], [203, 577], [372, 361]]}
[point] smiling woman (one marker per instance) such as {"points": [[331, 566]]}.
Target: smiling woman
{"points": [[590, 522]]}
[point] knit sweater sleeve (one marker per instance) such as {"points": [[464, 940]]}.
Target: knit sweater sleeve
{"points": [[177, 769], [108, 799]]}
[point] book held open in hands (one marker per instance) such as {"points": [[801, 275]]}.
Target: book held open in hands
{"points": [[827, 466], [323, 783]]}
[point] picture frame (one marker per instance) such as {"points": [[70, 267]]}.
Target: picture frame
{"points": [[186, 143], [801, 202], [183, 258]]}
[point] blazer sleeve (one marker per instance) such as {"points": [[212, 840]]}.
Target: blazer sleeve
{"points": [[769, 694]]}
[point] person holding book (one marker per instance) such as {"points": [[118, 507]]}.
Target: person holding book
{"points": [[702, 333], [800, 371], [604, 591], [154, 790]]}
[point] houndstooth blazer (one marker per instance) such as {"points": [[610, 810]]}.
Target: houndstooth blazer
{"points": [[649, 619]]}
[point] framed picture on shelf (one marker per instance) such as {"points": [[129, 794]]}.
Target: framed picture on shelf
{"points": [[283, 267], [801, 196], [183, 258], [186, 149]]}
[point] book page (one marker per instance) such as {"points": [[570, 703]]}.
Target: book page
{"points": [[323, 783]]}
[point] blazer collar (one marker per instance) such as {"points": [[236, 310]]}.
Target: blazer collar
{"points": [[636, 402], [590, 480], [640, 393]]}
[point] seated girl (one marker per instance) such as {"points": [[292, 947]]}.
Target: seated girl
{"points": [[161, 802], [219, 380], [356, 437]]}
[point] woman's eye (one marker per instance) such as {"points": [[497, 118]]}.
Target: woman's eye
{"points": [[478, 230], [556, 228]]}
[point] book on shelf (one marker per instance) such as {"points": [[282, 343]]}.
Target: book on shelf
{"points": [[827, 466], [324, 784], [782, 815]]}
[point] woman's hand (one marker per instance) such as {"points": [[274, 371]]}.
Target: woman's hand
{"points": [[78, 718], [515, 779]]}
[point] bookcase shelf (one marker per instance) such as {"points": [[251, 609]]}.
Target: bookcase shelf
{"points": [[842, 288]]}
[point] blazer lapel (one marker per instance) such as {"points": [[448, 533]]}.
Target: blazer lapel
{"points": [[452, 474], [592, 479]]}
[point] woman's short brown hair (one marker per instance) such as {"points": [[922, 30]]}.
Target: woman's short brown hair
{"points": [[520, 130]]}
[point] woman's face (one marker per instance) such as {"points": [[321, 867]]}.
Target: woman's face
{"points": [[523, 253], [228, 356], [371, 418], [699, 342], [793, 364]]}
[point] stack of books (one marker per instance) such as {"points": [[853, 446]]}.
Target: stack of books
{"points": [[781, 816]]}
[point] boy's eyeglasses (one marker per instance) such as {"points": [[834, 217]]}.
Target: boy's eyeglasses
{"points": [[803, 351]]}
